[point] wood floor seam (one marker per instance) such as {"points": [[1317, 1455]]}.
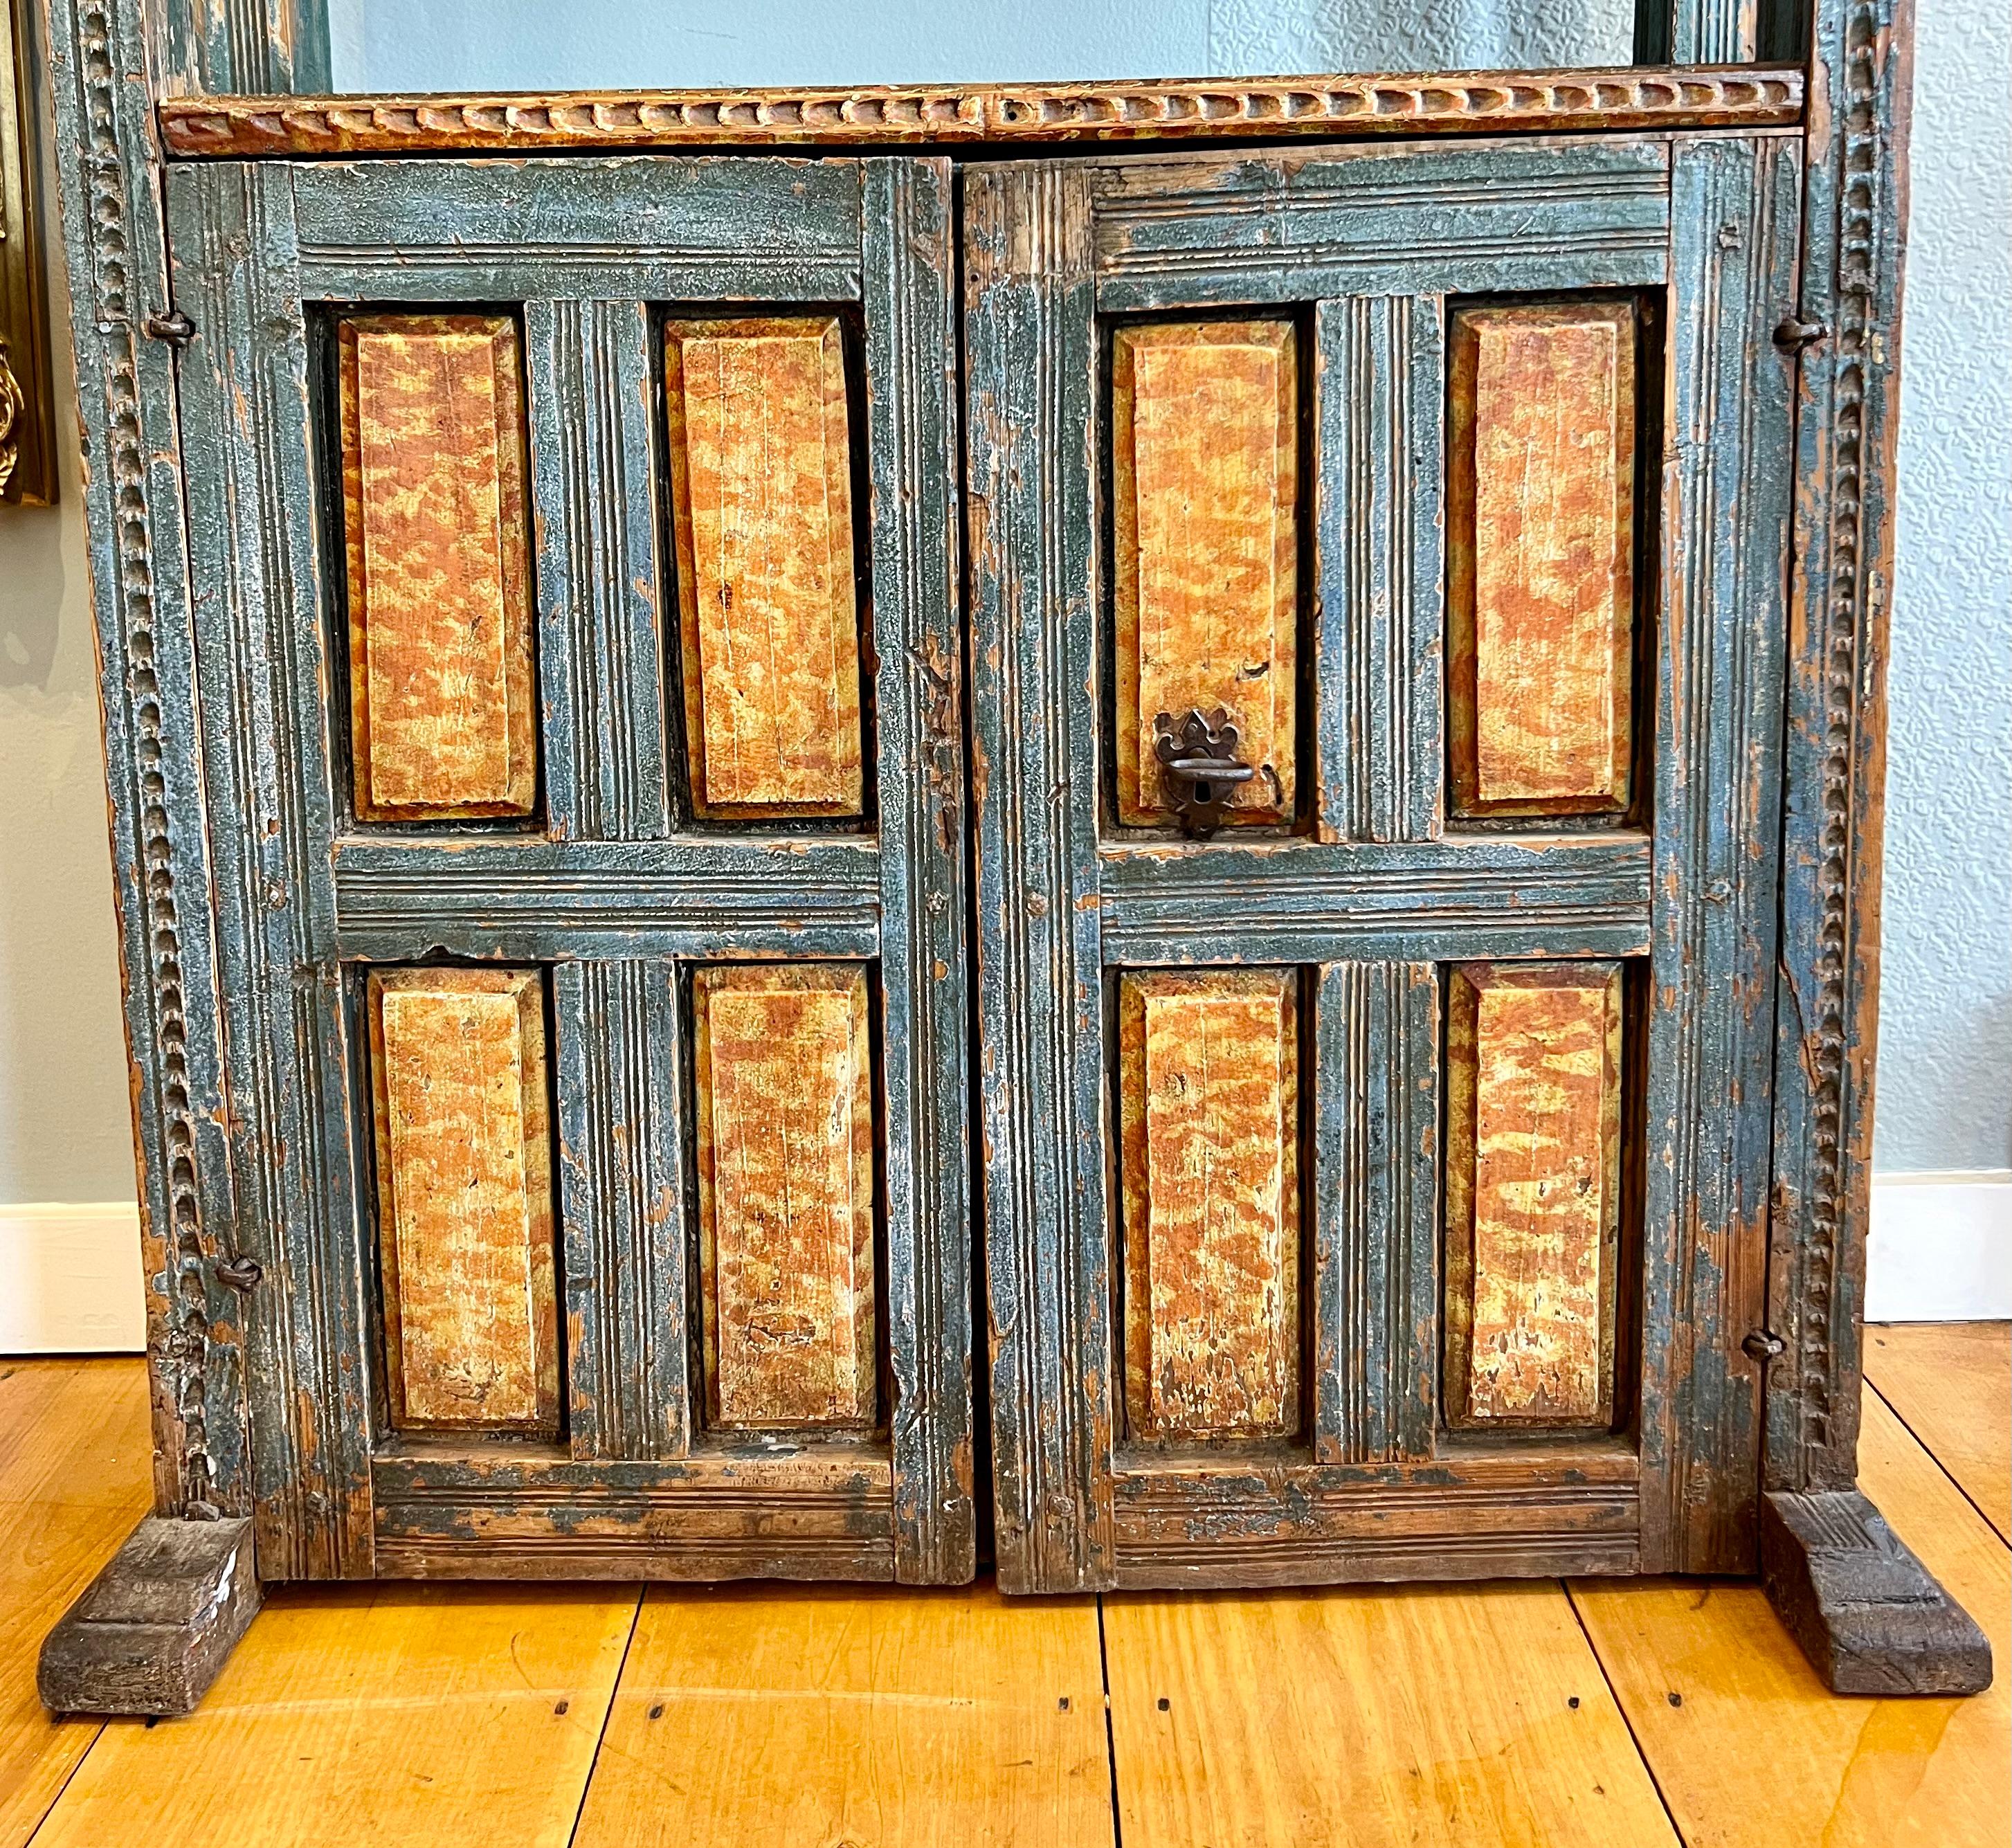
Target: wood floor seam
{"points": [[1880, 1346], [69, 1778], [1627, 1719], [614, 1694], [1110, 1734], [1955, 1480]]}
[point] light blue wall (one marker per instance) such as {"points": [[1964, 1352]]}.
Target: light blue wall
{"points": [[507, 44], [65, 1124], [1944, 1096], [504, 45]]}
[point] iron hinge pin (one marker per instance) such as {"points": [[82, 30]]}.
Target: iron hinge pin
{"points": [[241, 1273], [171, 325], [1794, 335]]}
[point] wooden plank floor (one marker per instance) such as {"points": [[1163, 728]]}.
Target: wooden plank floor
{"points": [[1441, 1716], [1947, 1383], [75, 1472], [824, 1714], [1541, 1713]]}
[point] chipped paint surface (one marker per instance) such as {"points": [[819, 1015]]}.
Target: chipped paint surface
{"points": [[760, 462], [1542, 556], [1205, 494], [440, 625], [465, 1198], [786, 1194], [1209, 1078], [1532, 1192]]}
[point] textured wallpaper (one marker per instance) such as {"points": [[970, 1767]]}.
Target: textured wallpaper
{"points": [[423, 44], [1945, 1093], [1252, 37]]}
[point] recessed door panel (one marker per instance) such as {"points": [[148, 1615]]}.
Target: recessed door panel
{"points": [[1541, 557], [1208, 1077], [440, 679], [786, 1194], [465, 1199], [761, 473], [1204, 449], [1532, 1193]]}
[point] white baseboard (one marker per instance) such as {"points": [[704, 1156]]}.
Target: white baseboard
{"points": [[1941, 1247], [1941, 1250], [69, 1279]]}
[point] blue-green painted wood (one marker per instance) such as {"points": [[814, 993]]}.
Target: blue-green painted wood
{"points": [[260, 601], [1175, 231], [734, 1511], [1273, 1520], [624, 1204], [591, 369], [1707, 32], [1380, 543], [528, 900], [1696, 897], [1456, 899], [1375, 1212], [603, 891], [1735, 226], [115, 252], [1395, 907], [260, 47], [1031, 388], [646, 229], [912, 450], [1847, 415], [175, 902]]}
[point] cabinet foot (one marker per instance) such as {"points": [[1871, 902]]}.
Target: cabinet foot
{"points": [[149, 1633], [1869, 1614]]}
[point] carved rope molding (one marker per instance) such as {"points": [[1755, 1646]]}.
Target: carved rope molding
{"points": [[1852, 618], [180, 1343], [236, 126]]}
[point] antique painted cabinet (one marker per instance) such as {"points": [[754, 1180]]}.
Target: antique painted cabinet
{"points": [[1229, 731]]}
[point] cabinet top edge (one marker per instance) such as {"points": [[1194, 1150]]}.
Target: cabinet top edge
{"points": [[1008, 114]]}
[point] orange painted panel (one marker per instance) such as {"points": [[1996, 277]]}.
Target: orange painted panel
{"points": [[1541, 552], [1208, 1065], [464, 1198], [762, 482], [442, 714], [1205, 497], [1533, 1192], [786, 1194]]}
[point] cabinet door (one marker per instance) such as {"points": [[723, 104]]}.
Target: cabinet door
{"points": [[1377, 578], [574, 552]]}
